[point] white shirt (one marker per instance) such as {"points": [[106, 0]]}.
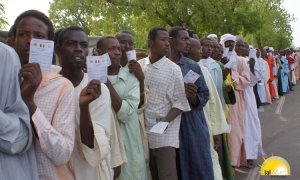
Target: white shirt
{"points": [[93, 163]]}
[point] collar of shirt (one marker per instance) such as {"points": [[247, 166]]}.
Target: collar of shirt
{"points": [[122, 75], [206, 62], [158, 64], [182, 60]]}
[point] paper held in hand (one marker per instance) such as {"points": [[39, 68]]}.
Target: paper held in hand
{"points": [[159, 127], [225, 52], [252, 53], [191, 77], [41, 51], [131, 55], [97, 68]]}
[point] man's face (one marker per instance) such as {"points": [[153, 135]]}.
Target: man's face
{"points": [[27, 29], [281, 52], [229, 44], [220, 53], [206, 49], [74, 49], [195, 50], [113, 48], [126, 43], [246, 50], [216, 49], [239, 48], [264, 53], [182, 42], [257, 53], [161, 45], [276, 52]]}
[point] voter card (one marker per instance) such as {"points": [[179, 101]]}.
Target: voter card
{"points": [[97, 68], [108, 61], [191, 77], [252, 53], [232, 82], [225, 52], [131, 55], [159, 127], [41, 51]]}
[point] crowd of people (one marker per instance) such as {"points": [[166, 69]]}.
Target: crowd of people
{"points": [[60, 125]]}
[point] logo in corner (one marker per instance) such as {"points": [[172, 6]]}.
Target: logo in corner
{"points": [[275, 166]]}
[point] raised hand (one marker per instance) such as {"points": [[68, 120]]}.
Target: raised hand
{"points": [[91, 92], [135, 67], [32, 75]]}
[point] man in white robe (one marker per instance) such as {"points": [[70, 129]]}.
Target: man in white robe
{"points": [[253, 142]]}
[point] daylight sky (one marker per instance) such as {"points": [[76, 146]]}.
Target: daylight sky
{"points": [[14, 7]]}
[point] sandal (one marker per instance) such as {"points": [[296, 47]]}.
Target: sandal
{"points": [[250, 164]]}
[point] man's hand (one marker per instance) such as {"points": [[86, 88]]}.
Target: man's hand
{"points": [[225, 73], [224, 60], [251, 62], [191, 93], [91, 92], [32, 75], [217, 142], [117, 172], [135, 67], [285, 74], [227, 87]]}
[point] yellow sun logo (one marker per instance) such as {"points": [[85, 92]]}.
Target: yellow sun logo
{"points": [[275, 166]]}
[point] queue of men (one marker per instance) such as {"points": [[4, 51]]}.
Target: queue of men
{"points": [[58, 125]]}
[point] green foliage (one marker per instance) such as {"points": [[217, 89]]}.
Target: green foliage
{"points": [[3, 19], [264, 21]]}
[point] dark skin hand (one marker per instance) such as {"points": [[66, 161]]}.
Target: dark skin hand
{"points": [[217, 141], [116, 101], [251, 63], [224, 60], [191, 93], [135, 67], [174, 112], [91, 92], [225, 73], [227, 87], [117, 172], [32, 75]]}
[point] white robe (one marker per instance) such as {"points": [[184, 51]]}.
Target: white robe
{"points": [[253, 142], [261, 86]]}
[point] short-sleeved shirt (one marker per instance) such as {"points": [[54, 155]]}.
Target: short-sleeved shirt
{"points": [[165, 83]]}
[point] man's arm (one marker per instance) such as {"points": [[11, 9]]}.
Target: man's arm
{"points": [[56, 137], [15, 129], [135, 67], [91, 92]]}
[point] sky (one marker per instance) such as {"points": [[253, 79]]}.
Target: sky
{"points": [[14, 7]]}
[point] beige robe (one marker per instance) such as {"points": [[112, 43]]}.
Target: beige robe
{"points": [[236, 114], [215, 120], [266, 79]]}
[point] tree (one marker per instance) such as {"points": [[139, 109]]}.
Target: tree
{"points": [[245, 17], [3, 19]]}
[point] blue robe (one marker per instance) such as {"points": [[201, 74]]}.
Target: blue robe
{"points": [[284, 78], [194, 158]]}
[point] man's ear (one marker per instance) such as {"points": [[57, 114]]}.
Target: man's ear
{"points": [[172, 40], [57, 49], [100, 52], [13, 42], [150, 43]]}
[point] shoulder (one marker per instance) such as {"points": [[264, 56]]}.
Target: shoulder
{"points": [[9, 55], [170, 65], [61, 82]]}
